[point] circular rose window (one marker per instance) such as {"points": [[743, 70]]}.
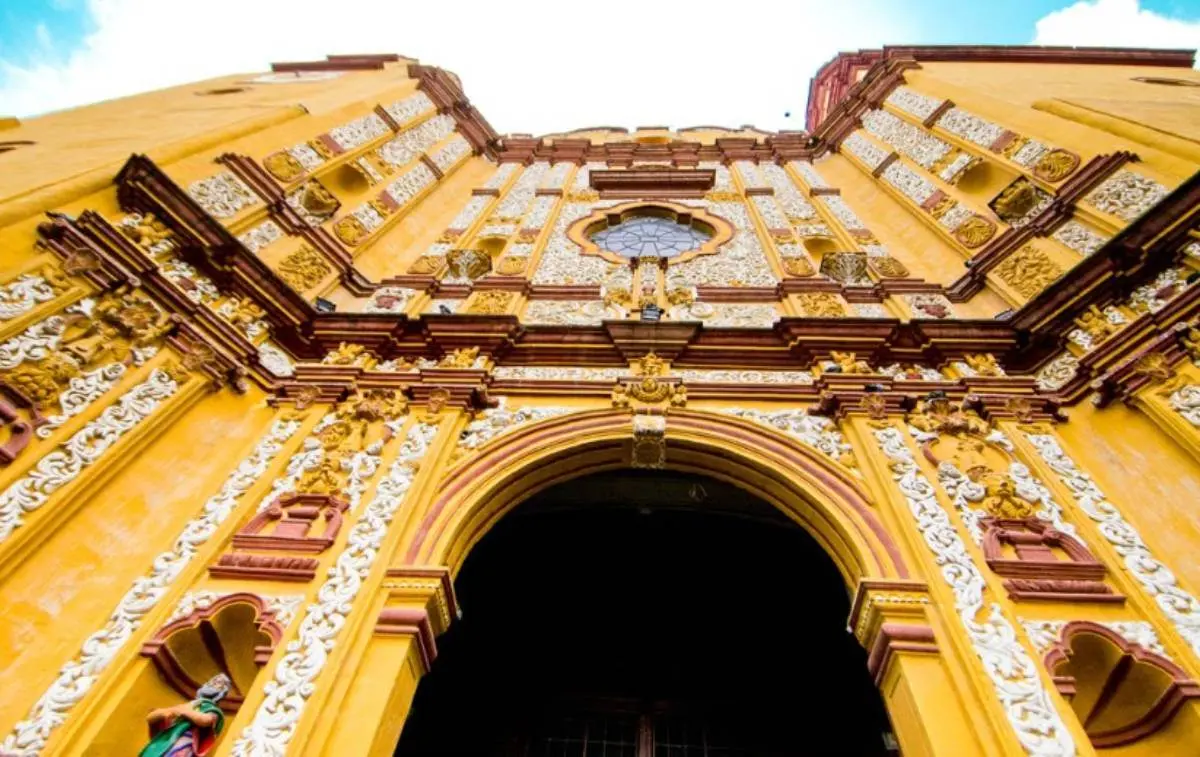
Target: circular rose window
{"points": [[650, 236]]}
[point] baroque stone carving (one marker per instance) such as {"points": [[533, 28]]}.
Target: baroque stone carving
{"points": [[974, 232], [304, 269], [1038, 726], [61, 466], [813, 431], [30, 290], [77, 676], [223, 195], [1181, 608], [1126, 195], [1020, 202], [821, 305], [498, 421], [491, 302], [887, 267], [1057, 373], [1028, 271], [274, 723], [1079, 238]]}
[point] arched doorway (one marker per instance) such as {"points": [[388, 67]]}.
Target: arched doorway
{"points": [[648, 613]]}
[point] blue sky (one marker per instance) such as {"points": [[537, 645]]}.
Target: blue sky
{"points": [[57, 54]]}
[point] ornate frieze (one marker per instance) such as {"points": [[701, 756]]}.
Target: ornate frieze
{"points": [[283, 607], [501, 176], [556, 373], [261, 235], [1079, 237], [1096, 326], [223, 195], [571, 312], [446, 156], [727, 314], [1020, 202], [1057, 373], [294, 681], [410, 107], [64, 464], [38, 341], [389, 300], [276, 361], [929, 305], [913, 103], [720, 376], [516, 200], [871, 310], [29, 290], [869, 153], [1028, 271], [410, 184], [1048, 163], [500, 420], [813, 431], [470, 212], [304, 269], [821, 305], [1186, 401], [556, 176], [809, 173], [408, 145], [842, 213], [1154, 296], [313, 202], [926, 150], [1181, 608], [358, 132], [1126, 195], [1014, 676], [772, 216], [28, 738]]}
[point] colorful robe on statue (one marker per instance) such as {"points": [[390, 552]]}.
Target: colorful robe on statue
{"points": [[183, 738]]}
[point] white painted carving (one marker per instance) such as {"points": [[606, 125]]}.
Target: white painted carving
{"points": [[1180, 607], [1126, 195], [223, 195], [77, 677], [810, 430], [294, 680], [86, 446], [284, 607], [1186, 402], [1046, 633], [24, 293], [1026, 702], [499, 420]]}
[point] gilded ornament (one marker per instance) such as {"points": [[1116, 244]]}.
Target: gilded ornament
{"points": [[469, 264], [798, 266], [1095, 323], [887, 267], [974, 232], [347, 354], [427, 265], [821, 305], [875, 406], [1028, 271], [461, 358], [1013, 146], [304, 269], [848, 363], [449, 236], [1190, 340], [491, 302], [1016, 200], [650, 365], [350, 230], [938, 415], [1000, 499], [1055, 165], [313, 197], [512, 265], [320, 148], [1154, 366], [146, 231], [942, 206], [984, 364], [783, 236], [283, 166]]}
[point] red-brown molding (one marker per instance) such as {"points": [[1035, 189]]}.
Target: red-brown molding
{"points": [[410, 621], [1179, 689], [157, 649], [898, 637]]}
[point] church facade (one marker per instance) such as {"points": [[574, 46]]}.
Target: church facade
{"points": [[279, 351]]}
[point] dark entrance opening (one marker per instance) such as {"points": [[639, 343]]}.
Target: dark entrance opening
{"points": [[648, 614]]}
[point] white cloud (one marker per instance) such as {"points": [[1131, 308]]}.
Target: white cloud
{"points": [[1115, 23], [536, 66]]}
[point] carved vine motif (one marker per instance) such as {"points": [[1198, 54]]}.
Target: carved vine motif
{"points": [[498, 421], [1180, 607], [304, 269], [85, 447], [821, 305], [1020, 202], [78, 675], [491, 302], [274, 723], [1028, 271], [813, 431], [30, 290], [1013, 673]]}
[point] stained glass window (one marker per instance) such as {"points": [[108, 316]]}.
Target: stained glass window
{"points": [[650, 236]]}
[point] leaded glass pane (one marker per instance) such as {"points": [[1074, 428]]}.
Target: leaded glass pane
{"points": [[650, 236]]}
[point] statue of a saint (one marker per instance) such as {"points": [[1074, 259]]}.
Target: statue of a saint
{"points": [[191, 729]]}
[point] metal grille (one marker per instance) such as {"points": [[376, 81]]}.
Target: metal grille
{"points": [[599, 735]]}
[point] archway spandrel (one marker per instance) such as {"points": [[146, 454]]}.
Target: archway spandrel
{"points": [[819, 494]]}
